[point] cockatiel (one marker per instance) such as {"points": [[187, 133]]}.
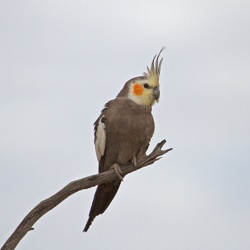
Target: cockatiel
{"points": [[123, 128]]}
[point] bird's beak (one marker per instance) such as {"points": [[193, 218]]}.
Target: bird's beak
{"points": [[156, 93]]}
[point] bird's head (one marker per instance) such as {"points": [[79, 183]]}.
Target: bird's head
{"points": [[145, 90]]}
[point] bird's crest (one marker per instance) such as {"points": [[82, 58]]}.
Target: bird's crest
{"points": [[153, 73]]}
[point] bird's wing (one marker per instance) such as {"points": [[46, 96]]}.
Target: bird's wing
{"points": [[120, 131]]}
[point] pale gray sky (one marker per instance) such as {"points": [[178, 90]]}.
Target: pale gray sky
{"points": [[62, 60]]}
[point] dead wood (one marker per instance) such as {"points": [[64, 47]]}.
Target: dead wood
{"points": [[46, 205]]}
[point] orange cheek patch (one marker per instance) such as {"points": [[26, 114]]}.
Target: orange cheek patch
{"points": [[137, 89]]}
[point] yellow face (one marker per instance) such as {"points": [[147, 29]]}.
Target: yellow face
{"points": [[144, 92]]}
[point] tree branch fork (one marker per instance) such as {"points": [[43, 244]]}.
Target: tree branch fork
{"points": [[48, 204]]}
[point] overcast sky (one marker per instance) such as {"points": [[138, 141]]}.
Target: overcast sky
{"points": [[61, 61]]}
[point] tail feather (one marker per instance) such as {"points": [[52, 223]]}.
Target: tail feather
{"points": [[88, 224], [103, 196]]}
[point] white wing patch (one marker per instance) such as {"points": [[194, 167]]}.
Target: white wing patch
{"points": [[100, 136]]}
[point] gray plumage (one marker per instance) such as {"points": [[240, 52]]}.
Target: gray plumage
{"points": [[129, 127], [123, 128]]}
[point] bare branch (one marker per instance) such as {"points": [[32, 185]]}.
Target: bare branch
{"points": [[46, 205]]}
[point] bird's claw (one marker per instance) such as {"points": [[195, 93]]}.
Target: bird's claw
{"points": [[118, 171], [134, 161]]}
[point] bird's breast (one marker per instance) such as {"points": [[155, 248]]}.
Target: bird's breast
{"points": [[126, 132]]}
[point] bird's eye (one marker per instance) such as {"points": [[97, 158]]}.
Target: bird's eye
{"points": [[145, 85]]}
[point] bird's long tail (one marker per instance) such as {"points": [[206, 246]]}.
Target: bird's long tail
{"points": [[103, 196]]}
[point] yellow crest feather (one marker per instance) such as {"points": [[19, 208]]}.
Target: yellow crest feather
{"points": [[153, 73]]}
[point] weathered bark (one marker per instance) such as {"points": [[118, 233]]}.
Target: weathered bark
{"points": [[46, 205]]}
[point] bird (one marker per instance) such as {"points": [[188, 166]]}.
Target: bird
{"points": [[124, 127]]}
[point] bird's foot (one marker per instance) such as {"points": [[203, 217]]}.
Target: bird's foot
{"points": [[118, 171], [134, 161]]}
